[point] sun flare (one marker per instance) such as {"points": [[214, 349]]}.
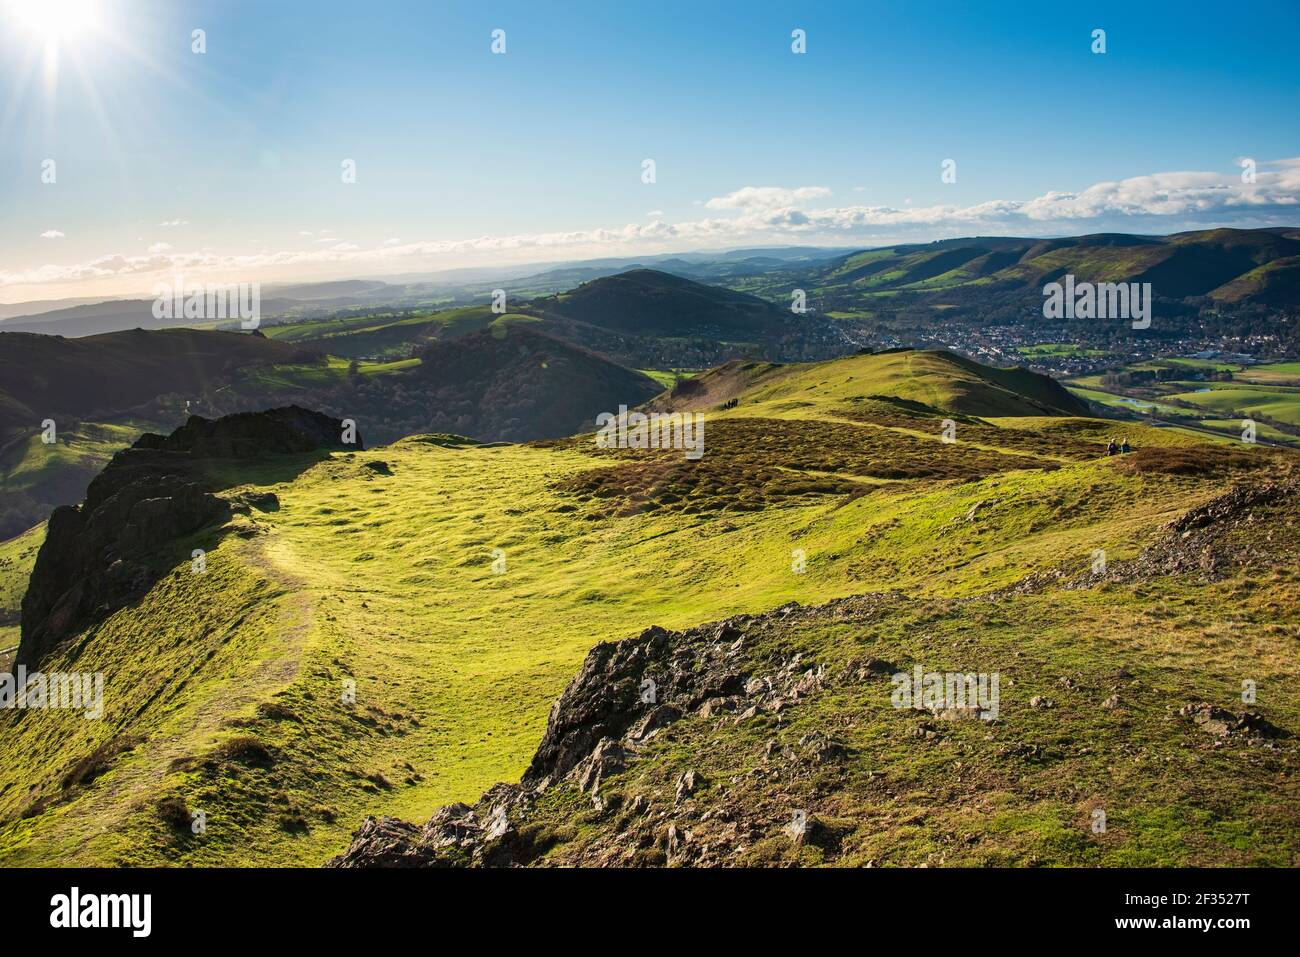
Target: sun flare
{"points": [[55, 20]]}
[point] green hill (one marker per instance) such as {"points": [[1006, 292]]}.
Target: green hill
{"points": [[935, 381], [389, 632], [647, 302], [102, 392], [1223, 263], [116, 372]]}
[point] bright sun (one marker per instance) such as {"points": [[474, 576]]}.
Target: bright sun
{"points": [[55, 20]]}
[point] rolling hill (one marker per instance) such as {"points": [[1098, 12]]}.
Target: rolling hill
{"points": [[506, 382], [649, 302], [117, 372], [380, 634], [1204, 263], [101, 392], [936, 381]]}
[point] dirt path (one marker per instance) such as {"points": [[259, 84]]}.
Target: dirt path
{"points": [[107, 808]]}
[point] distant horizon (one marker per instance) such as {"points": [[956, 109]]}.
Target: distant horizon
{"points": [[535, 267]]}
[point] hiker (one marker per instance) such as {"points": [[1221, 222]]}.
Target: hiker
{"points": [[1111, 447], [1124, 447]]}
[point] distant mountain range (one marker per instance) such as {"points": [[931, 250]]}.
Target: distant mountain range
{"points": [[1230, 267], [89, 316]]}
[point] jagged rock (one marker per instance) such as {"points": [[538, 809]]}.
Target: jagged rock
{"points": [[687, 784], [107, 552], [660, 717], [811, 682], [821, 749], [595, 726], [717, 706], [607, 759], [861, 669], [385, 842], [284, 431]]}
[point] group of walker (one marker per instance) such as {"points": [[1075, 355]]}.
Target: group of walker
{"points": [[1119, 449]]}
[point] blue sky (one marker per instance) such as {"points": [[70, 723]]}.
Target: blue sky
{"points": [[228, 164]]}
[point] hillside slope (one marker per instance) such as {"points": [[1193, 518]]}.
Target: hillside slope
{"points": [[1177, 266], [102, 392], [648, 302], [114, 373], [507, 382], [915, 380], [388, 634], [776, 739], [649, 318]]}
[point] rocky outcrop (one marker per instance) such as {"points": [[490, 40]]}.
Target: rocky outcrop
{"points": [[626, 693], [246, 435], [107, 552], [1222, 723], [1212, 539]]}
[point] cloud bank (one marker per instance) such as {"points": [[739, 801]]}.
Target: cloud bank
{"points": [[751, 215]]}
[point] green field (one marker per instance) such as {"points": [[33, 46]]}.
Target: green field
{"points": [[1259, 391], [1282, 406], [331, 371], [1057, 349], [390, 335], [1282, 373]]}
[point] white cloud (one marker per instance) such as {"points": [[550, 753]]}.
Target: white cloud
{"points": [[159, 247], [52, 234], [1160, 202], [174, 222], [766, 197]]}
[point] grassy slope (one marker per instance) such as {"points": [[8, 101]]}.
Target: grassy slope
{"points": [[387, 335], [914, 791], [1276, 404], [84, 448], [387, 580], [17, 555], [1242, 264]]}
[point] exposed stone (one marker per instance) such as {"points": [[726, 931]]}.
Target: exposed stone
{"points": [[1222, 723], [107, 552], [608, 758], [687, 784]]}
